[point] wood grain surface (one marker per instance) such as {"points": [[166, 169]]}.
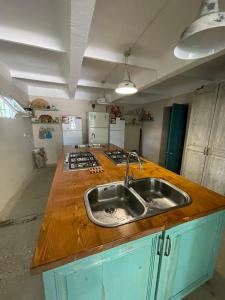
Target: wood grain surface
{"points": [[67, 233]]}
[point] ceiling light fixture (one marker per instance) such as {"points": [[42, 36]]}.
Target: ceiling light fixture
{"points": [[126, 87], [205, 36]]}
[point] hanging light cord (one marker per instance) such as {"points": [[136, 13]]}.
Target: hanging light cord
{"points": [[128, 52], [162, 7]]}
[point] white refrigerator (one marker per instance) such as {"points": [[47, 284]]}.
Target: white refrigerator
{"points": [[72, 130], [98, 127], [117, 133]]}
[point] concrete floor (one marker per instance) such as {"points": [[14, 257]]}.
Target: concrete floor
{"points": [[19, 235]]}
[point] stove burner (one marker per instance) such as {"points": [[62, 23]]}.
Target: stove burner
{"points": [[80, 160], [120, 157]]}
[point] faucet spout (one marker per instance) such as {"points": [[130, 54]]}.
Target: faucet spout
{"points": [[127, 177]]}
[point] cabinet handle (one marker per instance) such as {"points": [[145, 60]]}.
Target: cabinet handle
{"points": [[160, 245], [206, 151], [168, 246]]}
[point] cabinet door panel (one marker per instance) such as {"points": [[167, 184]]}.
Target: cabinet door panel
{"points": [[214, 173], [201, 117], [200, 123], [125, 272], [193, 165], [192, 258]]}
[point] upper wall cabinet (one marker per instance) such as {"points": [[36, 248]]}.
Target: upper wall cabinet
{"points": [[200, 124]]}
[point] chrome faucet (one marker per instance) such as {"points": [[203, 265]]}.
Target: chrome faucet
{"points": [[127, 177]]}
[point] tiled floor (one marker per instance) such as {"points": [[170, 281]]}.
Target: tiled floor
{"points": [[18, 237]]}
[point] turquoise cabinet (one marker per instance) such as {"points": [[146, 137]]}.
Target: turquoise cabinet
{"points": [[162, 266], [189, 256], [125, 272]]}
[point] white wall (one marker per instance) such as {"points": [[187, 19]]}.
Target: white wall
{"points": [[16, 163], [152, 131]]}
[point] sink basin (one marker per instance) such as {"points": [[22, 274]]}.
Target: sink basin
{"points": [[113, 204], [160, 194]]}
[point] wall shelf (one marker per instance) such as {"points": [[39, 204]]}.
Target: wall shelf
{"points": [[42, 123], [45, 109]]}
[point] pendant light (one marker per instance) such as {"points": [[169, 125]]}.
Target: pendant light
{"points": [[205, 36], [126, 87]]}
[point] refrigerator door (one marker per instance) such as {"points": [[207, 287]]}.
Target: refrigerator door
{"points": [[98, 119], [117, 138], [72, 137], [98, 136]]}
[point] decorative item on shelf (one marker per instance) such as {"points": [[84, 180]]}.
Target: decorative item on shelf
{"points": [[114, 111], [45, 119], [39, 103], [144, 115], [57, 120]]}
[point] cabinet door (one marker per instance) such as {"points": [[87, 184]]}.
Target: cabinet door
{"points": [[125, 272], [191, 259], [214, 173], [200, 123]]}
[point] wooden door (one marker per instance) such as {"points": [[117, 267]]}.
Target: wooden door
{"points": [[214, 174], [201, 118], [189, 260], [128, 271]]}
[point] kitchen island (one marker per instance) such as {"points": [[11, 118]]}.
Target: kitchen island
{"points": [[81, 260]]}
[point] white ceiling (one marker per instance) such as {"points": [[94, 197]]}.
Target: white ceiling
{"points": [[66, 48]]}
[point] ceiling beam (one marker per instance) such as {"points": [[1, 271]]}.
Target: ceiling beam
{"points": [[118, 58], [81, 13], [31, 39], [38, 77], [95, 84]]}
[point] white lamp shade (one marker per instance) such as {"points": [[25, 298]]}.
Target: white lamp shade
{"points": [[126, 87], [204, 37]]}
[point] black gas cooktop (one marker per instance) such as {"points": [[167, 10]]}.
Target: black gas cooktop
{"points": [[119, 157], [79, 161]]}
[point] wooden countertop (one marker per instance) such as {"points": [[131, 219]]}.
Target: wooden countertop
{"points": [[67, 233]]}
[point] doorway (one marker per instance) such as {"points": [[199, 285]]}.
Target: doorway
{"points": [[173, 136]]}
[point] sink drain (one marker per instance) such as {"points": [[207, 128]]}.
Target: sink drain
{"points": [[110, 210]]}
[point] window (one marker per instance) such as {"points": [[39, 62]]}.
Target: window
{"points": [[5, 110], [9, 107]]}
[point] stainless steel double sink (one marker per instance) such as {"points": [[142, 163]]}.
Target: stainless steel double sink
{"points": [[114, 204]]}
